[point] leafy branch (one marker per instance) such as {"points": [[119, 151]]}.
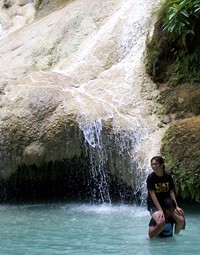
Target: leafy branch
{"points": [[180, 20]]}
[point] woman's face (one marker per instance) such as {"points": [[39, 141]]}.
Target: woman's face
{"points": [[156, 166]]}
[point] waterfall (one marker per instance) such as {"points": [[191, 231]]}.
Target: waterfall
{"points": [[105, 83], [116, 91], [116, 154], [95, 151]]}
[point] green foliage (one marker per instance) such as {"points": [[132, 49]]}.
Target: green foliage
{"points": [[180, 20], [173, 54], [180, 148], [186, 177], [186, 182], [186, 69]]}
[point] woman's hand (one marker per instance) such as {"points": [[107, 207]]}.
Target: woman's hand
{"points": [[179, 211], [161, 216]]}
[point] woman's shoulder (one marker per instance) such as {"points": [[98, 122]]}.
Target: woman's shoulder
{"points": [[151, 175], [167, 174]]}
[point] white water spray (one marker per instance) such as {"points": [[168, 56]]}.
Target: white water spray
{"points": [[116, 92], [103, 82]]}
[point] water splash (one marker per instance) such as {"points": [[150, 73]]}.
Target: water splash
{"points": [[106, 209]]}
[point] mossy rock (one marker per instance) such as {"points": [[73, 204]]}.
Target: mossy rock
{"points": [[181, 150], [183, 100], [171, 58], [177, 74]]}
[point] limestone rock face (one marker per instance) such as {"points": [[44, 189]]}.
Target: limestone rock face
{"points": [[37, 124], [72, 84], [16, 14], [50, 39]]}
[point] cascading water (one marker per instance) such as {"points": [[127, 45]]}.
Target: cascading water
{"points": [[113, 154], [116, 91], [119, 133], [105, 83], [97, 156]]}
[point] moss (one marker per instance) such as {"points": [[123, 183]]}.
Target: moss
{"points": [[165, 59], [186, 68], [158, 54], [177, 75], [181, 100], [182, 154]]}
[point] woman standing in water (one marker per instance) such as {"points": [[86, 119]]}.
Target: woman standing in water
{"points": [[160, 186]]}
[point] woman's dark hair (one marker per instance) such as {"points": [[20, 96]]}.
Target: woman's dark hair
{"points": [[160, 160], [168, 203]]}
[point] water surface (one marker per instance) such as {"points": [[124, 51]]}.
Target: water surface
{"points": [[89, 229]]}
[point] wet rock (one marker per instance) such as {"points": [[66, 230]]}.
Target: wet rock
{"points": [[74, 91]]}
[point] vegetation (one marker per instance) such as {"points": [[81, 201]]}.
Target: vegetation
{"points": [[182, 152], [173, 58], [180, 21], [174, 53]]}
